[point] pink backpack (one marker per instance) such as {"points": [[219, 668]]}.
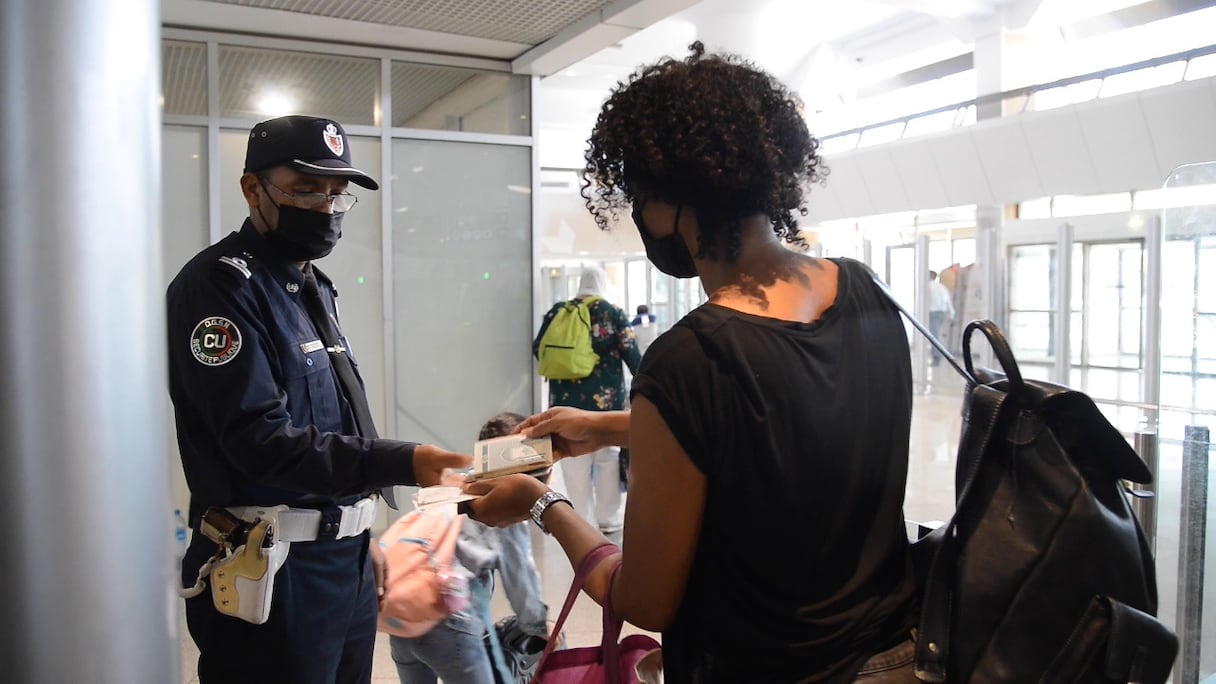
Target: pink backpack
{"points": [[423, 586]]}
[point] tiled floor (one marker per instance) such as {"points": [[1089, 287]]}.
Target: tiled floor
{"points": [[930, 496]]}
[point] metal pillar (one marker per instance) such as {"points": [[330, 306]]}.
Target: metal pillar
{"points": [[1191, 546], [920, 348], [1150, 344], [1144, 496], [86, 562], [1063, 315], [989, 259]]}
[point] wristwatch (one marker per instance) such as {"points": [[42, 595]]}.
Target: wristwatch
{"points": [[543, 503]]}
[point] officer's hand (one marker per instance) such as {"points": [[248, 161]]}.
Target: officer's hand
{"points": [[430, 461], [505, 500]]}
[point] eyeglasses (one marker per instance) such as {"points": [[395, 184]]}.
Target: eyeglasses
{"points": [[341, 202]]}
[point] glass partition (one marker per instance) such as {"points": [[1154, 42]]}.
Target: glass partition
{"points": [[183, 234], [462, 287], [1185, 550]]}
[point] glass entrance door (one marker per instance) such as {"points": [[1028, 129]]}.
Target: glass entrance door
{"points": [[1105, 318]]}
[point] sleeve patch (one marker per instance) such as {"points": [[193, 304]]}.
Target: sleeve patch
{"points": [[215, 341]]}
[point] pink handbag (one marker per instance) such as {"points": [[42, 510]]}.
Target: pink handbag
{"points": [[635, 660]]}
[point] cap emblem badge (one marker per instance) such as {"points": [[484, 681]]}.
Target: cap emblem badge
{"points": [[333, 139]]}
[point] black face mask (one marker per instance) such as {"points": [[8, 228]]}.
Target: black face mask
{"points": [[303, 235], [668, 254]]}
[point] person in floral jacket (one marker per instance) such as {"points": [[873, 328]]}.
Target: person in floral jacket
{"points": [[613, 340]]}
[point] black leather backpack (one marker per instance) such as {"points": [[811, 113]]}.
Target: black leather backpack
{"points": [[1043, 573]]}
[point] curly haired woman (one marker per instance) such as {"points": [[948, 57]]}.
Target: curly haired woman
{"points": [[764, 533]]}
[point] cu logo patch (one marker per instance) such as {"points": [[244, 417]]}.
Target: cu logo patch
{"points": [[215, 341]]}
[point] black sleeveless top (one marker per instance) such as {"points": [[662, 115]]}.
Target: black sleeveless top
{"points": [[801, 570]]}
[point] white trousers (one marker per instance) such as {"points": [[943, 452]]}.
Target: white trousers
{"points": [[600, 505]]}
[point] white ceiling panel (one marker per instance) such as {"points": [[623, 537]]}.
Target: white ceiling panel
{"points": [[918, 173], [822, 203], [1005, 155], [1181, 123], [881, 178], [849, 186], [1119, 145], [958, 166], [1057, 145]]}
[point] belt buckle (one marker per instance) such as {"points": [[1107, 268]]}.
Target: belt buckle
{"points": [[356, 517]]}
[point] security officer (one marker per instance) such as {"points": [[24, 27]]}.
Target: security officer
{"points": [[271, 412]]}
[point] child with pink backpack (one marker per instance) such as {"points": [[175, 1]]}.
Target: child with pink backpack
{"points": [[455, 644]]}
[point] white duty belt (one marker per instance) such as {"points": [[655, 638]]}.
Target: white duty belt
{"points": [[304, 524]]}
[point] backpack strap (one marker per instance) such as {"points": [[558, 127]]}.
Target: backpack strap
{"points": [[937, 595], [985, 406], [937, 344]]}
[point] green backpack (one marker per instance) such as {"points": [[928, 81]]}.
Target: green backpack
{"points": [[565, 351]]}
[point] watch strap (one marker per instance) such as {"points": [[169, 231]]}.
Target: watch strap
{"points": [[543, 503]]}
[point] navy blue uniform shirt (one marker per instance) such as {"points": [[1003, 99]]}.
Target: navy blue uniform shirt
{"points": [[261, 416]]}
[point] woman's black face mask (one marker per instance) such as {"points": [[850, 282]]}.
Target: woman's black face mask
{"points": [[668, 254]]}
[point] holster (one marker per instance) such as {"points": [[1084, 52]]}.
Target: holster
{"points": [[242, 582]]}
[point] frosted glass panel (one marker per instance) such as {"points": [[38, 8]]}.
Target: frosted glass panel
{"points": [[183, 234], [184, 205], [462, 287]]}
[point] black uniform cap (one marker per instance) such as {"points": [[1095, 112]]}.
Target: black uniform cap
{"points": [[305, 143]]}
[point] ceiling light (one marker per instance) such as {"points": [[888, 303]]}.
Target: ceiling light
{"points": [[276, 104]]}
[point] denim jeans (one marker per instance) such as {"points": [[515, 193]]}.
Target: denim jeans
{"points": [[444, 652], [521, 580]]}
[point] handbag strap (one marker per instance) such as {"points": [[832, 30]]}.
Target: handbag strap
{"points": [[590, 561], [610, 647]]}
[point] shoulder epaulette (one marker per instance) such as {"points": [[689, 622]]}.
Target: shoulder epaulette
{"points": [[240, 263]]}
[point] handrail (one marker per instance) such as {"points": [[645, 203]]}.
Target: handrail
{"points": [[1154, 407], [991, 98]]}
